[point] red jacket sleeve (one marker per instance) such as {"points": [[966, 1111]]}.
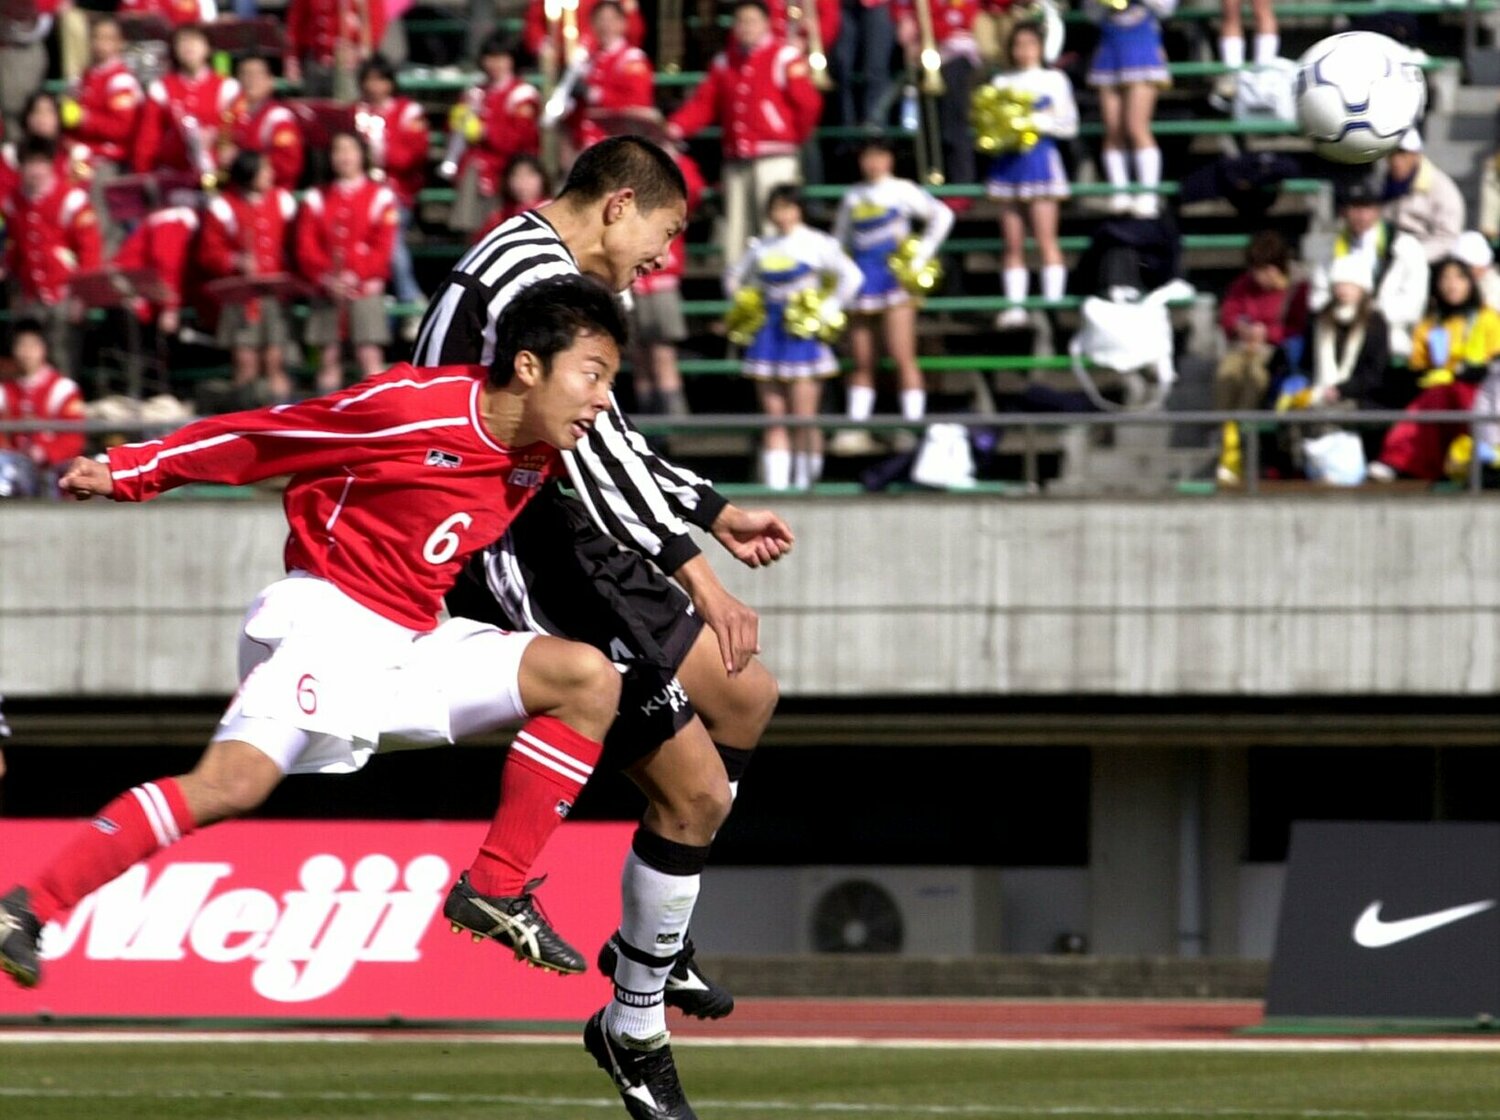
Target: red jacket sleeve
{"points": [[314, 260], [509, 133], [298, 28], [806, 101], [406, 146], [694, 177], [828, 23], [116, 122], [1236, 305], [60, 447], [217, 247], [318, 434], [640, 82], [703, 107], [535, 32], [286, 155], [148, 144], [375, 262], [85, 241], [635, 24]]}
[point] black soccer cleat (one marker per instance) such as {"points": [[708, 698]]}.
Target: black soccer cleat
{"points": [[688, 989], [643, 1071], [19, 933], [515, 921]]}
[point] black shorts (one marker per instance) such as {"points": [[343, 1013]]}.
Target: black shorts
{"points": [[557, 573]]}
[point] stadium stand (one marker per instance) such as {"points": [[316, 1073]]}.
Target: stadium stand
{"points": [[1226, 176]]}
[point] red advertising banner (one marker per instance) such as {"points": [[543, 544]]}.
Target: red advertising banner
{"points": [[297, 920]]}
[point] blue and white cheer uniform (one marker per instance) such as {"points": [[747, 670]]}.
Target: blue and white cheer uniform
{"points": [[872, 222], [1130, 47], [1039, 172]]}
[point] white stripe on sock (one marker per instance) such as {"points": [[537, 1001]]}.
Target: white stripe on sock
{"points": [[168, 819], [552, 752], [521, 748]]}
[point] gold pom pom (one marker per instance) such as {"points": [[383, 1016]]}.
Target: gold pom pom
{"points": [[747, 314], [920, 282], [807, 316]]}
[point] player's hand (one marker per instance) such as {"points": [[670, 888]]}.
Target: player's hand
{"points": [[754, 537], [85, 478], [735, 625]]}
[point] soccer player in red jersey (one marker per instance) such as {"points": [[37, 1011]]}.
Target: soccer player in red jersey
{"points": [[395, 482]]}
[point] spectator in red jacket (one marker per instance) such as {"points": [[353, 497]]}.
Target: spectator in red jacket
{"points": [[42, 120], [759, 89], [185, 111], [541, 44], [1262, 310], [620, 81], [258, 122], [245, 233], [526, 187], [178, 13], [395, 131], [103, 110], [52, 233], [163, 245], [327, 41], [344, 236], [492, 122], [34, 390]]}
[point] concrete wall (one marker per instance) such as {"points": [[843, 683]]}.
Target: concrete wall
{"points": [[908, 595]]}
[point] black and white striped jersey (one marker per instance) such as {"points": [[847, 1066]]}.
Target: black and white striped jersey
{"points": [[631, 493]]}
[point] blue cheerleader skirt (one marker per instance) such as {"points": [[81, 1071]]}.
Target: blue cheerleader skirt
{"points": [[1019, 176], [1129, 54], [775, 354], [881, 288]]}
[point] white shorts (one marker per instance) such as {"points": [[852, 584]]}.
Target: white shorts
{"points": [[325, 682]]}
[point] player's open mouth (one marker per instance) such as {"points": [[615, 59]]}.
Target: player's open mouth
{"points": [[580, 428]]}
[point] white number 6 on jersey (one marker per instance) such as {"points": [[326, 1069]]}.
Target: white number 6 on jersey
{"points": [[443, 544]]}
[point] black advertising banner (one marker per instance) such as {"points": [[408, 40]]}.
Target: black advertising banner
{"points": [[1389, 920]]}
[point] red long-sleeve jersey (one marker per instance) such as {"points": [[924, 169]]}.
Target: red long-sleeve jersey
{"points": [[272, 130], [51, 238], [314, 28], [45, 395], [395, 481], [164, 245]]}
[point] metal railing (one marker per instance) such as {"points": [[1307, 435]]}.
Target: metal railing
{"points": [[1250, 424]]}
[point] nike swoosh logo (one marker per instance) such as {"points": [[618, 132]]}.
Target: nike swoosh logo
{"points": [[1373, 933]]}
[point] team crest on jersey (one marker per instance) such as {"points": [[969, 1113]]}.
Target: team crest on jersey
{"points": [[436, 458], [563, 808], [106, 826]]}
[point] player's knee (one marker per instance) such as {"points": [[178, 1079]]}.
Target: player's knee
{"points": [[592, 683], [692, 814], [746, 708]]}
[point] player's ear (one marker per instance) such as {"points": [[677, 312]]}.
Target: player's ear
{"points": [[618, 204], [528, 369]]}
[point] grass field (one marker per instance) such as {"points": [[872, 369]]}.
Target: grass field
{"points": [[458, 1081]]}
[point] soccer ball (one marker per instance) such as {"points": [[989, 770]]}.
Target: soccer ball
{"points": [[1357, 93]]}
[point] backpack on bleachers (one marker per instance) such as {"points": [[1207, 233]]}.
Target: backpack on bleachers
{"points": [[1267, 92]]}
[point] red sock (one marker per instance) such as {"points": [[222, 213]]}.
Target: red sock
{"points": [[135, 825], [548, 764]]}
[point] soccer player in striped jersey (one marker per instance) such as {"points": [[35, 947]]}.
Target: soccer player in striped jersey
{"points": [[395, 482], [695, 701]]}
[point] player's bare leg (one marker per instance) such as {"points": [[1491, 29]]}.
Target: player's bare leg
{"points": [[807, 443], [571, 691], [776, 443]]}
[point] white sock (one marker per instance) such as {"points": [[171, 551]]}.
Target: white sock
{"points": [[776, 469], [655, 911], [1148, 166], [1017, 281], [1054, 281], [802, 477], [861, 402], [1116, 169], [1267, 47], [815, 466], [1232, 50], [913, 404]]}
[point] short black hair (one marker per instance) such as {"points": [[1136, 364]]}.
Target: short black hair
{"points": [[243, 169], [626, 161], [759, 5], [359, 141], [785, 192], [37, 148], [378, 66], [875, 143], [615, 4], [499, 42], [28, 325], [264, 60], [548, 317]]}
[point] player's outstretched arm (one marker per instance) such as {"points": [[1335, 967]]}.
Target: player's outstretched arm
{"points": [[85, 478], [736, 625], [754, 537]]}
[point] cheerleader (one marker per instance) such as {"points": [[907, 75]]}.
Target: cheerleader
{"points": [[1031, 182], [787, 369], [1128, 69], [874, 218]]}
